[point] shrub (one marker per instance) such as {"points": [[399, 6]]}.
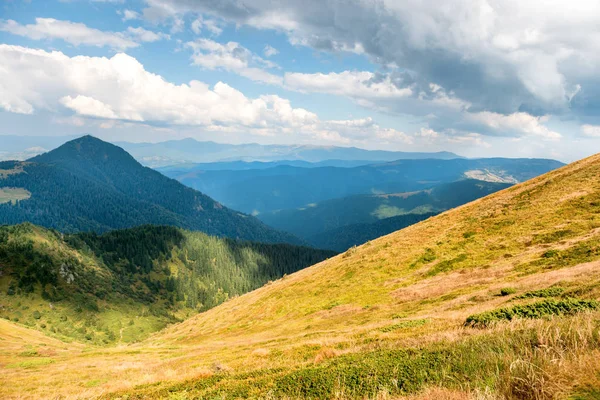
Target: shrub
{"points": [[534, 310], [507, 291], [36, 314], [549, 292]]}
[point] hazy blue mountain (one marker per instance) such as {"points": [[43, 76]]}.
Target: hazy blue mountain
{"points": [[192, 151], [343, 238], [247, 165], [90, 185], [13, 147], [286, 187], [333, 215]]}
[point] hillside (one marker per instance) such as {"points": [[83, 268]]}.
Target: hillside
{"points": [[497, 298], [322, 219], [90, 185], [126, 284], [264, 190]]}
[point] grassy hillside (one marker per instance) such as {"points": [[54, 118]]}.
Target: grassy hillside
{"points": [[494, 299], [283, 187], [330, 217], [124, 285], [87, 184]]}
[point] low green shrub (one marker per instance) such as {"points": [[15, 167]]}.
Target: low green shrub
{"points": [[507, 291], [549, 292], [534, 310]]}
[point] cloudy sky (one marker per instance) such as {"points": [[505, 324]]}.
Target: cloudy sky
{"points": [[478, 77]]}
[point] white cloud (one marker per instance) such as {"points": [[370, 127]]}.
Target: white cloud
{"points": [[71, 32], [232, 57], [79, 34], [520, 123], [270, 51], [591, 130], [120, 89], [354, 84], [88, 106], [144, 35], [210, 25], [129, 15]]}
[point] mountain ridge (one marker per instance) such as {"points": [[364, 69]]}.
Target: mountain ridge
{"points": [[89, 184]]}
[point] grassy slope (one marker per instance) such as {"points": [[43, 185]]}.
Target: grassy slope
{"points": [[387, 317]]}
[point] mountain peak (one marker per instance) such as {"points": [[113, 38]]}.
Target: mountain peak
{"points": [[89, 150]]}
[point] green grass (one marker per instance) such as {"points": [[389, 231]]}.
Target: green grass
{"points": [[404, 325], [12, 195], [38, 362], [535, 310]]}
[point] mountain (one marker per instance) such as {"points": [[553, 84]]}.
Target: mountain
{"points": [[126, 284], [498, 298], [347, 236], [90, 185], [248, 165], [320, 218], [192, 151], [264, 190]]}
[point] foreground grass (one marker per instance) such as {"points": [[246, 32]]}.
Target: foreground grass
{"points": [[525, 360]]}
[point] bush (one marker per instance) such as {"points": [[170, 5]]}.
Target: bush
{"points": [[36, 314], [534, 310], [549, 292], [507, 291]]}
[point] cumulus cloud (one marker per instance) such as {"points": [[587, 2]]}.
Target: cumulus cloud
{"points": [[355, 84], [591, 130], [521, 123], [128, 14], [206, 24], [120, 89], [232, 57], [270, 51], [79, 34], [143, 35], [525, 54]]}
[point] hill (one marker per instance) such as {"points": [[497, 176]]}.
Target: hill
{"points": [[126, 284], [264, 190], [320, 220], [90, 185], [494, 299]]}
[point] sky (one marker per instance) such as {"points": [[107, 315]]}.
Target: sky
{"points": [[480, 78]]}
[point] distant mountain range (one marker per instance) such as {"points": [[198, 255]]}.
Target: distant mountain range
{"points": [[338, 224], [258, 190], [192, 151], [87, 184]]}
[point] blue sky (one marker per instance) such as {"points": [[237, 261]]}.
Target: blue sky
{"points": [[481, 78]]}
